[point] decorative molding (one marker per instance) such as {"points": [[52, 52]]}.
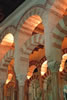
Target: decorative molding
{"points": [[29, 45], [21, 79], [6, 59]]}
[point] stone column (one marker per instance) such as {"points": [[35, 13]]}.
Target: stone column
{"points": [[12, 95], [47, 88], [30, 92], [37, 93], [21, 92], [21, 80], [35, 90], [1, 91], [54, 67]]}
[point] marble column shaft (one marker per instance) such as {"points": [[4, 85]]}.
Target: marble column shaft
{"points": [[21, 82], [54, 68], [1, 91]]}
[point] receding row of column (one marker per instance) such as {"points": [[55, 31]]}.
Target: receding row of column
{"points": [[1, 91], [51, 85], [50, 88]]}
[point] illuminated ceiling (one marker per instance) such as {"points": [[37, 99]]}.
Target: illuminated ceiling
{"points": [[8, 40]]}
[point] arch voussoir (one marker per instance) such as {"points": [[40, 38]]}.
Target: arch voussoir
{"points": [[28, 47], [7, 58]]}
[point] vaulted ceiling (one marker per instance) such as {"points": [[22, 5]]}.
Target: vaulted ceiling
{"points": [[7, 7]]}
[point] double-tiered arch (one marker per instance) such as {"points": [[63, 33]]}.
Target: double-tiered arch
{"points": [[58, 34], [5, 62]]}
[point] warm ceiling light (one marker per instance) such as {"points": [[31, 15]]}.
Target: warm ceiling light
{"points": [[7, 81], [8, 39], [28, 77], [9, 78], [44, 68], [42, 73], [61, 68]]}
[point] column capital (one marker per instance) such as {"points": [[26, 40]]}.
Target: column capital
{"points": [[21, 79], [53, 66]]}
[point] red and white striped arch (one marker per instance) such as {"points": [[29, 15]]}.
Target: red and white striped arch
{"points": [[28, 22], [31, 14], [26, 50], [58, 34], [7, 58], [4, 64], [29, 45]]}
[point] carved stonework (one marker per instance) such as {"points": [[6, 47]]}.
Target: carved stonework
{"points": [[1, 89], [21, 79]]}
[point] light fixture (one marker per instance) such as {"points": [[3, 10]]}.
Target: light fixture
{"points": [[44, 68], [9, 78], [8, 39]]}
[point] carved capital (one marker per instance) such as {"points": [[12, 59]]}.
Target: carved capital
{"points": [[53, 66], [21, 79]]}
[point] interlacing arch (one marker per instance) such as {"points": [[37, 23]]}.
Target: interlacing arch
{"points": [[6, 59], [42, 65], [35, 77], [29, 45]]}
